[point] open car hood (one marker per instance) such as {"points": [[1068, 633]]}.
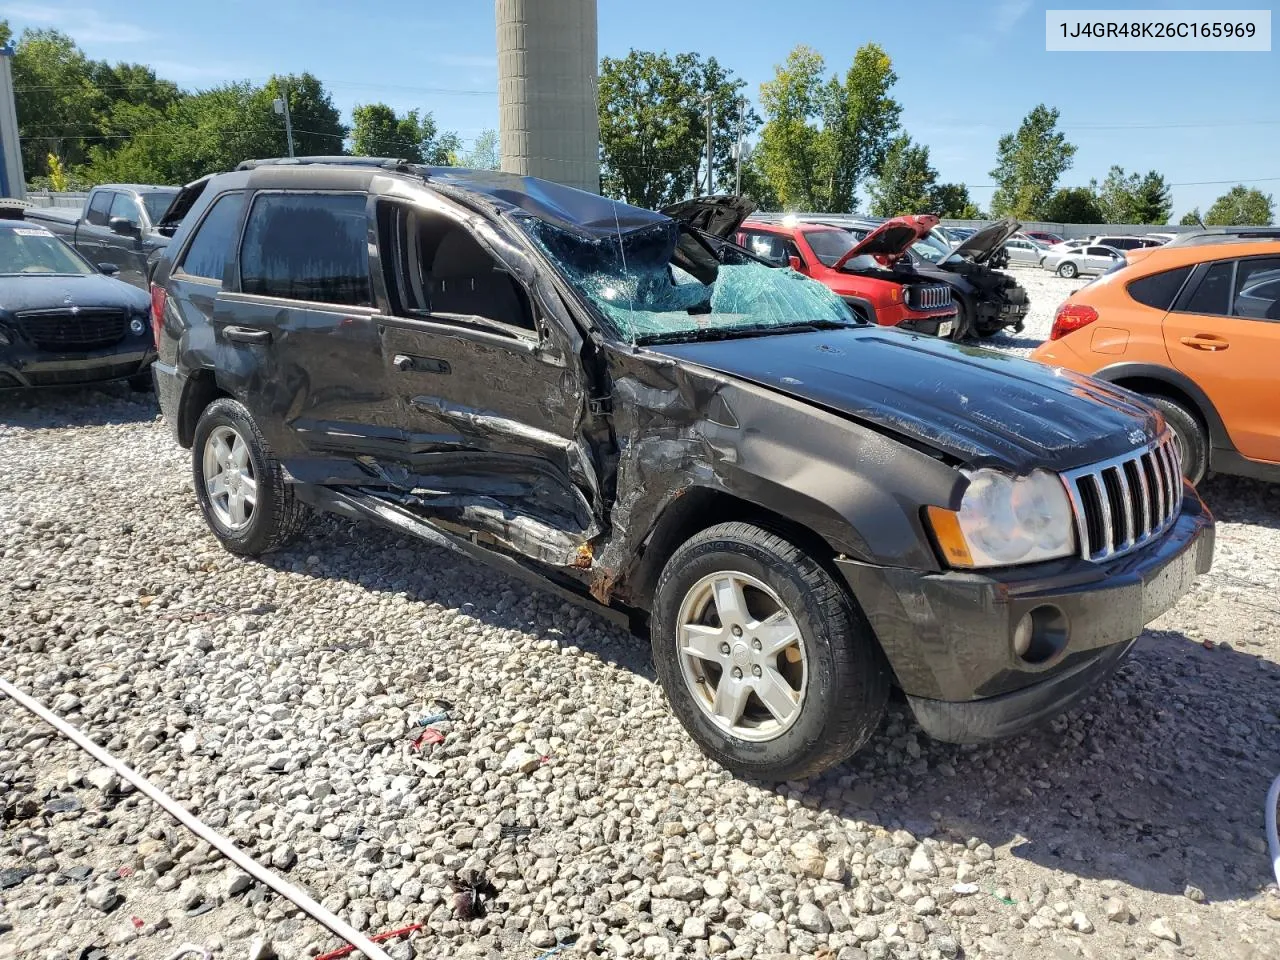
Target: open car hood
{"points": [[182, 202], [891, 240], [719, 215], [984, 243]]}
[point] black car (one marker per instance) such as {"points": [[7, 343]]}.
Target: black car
{"points": [[987, 299], [64, 320], [798, 508]]}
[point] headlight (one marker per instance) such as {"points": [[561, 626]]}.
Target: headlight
{"points": [[1005, 520]]}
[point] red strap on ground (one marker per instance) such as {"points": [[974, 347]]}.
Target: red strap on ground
{"points": [[343, 951]]}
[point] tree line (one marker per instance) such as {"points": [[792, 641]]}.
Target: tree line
{"points": [[84, 121], [822, 140]]}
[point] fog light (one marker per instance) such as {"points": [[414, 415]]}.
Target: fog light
{"points": [[1041, 635], [137, 326]]}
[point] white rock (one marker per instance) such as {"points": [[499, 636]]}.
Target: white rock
{"points": [[1161, 928]]}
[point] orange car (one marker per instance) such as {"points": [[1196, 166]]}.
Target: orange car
{"points": [[1196, 330]]}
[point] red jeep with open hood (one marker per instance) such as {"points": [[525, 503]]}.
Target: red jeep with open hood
{"points": [[860, 271]]}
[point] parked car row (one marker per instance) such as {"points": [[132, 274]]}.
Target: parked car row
{"points": [[799, 508]]}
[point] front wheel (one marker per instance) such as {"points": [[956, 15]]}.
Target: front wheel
{"points": [[1068, 270], [239, 483], [765, 659]]}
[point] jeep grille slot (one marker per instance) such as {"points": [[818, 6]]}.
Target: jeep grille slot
{"points": [[922, 296], [1124, 503]]}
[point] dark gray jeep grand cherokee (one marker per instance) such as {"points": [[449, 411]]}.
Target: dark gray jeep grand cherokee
{"points": [[799, 509]]}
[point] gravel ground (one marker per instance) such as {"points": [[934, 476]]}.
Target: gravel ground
{"points": [[272, 698]]}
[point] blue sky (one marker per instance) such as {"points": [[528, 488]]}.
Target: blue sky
{"points": [[968, 70]]}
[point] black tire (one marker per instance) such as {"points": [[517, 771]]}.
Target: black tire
{"points": [[1068, 270], [1191, 435], [277, 516], [848, 679]]}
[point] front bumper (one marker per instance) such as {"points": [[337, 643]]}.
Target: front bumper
{"points": [[949, 636], [22, 367], [936, 326]]}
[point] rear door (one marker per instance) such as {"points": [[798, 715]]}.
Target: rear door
{"points": [[1224, 333], [295, 332], [491, 392], [125, 250], [92, 233]]}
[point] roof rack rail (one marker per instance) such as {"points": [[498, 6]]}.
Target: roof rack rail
{"points": [[384, 163]]}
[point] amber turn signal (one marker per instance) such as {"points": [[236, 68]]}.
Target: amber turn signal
{"points": [[946, 530]]}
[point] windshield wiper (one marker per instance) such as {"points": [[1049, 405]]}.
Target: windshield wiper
{"points": [[734, 333]]}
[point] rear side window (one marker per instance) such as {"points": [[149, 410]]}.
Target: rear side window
{"points": [[99, 208], [307, 246], [1213, 296], [1158, 290], [1258, 289], [210, 248]]}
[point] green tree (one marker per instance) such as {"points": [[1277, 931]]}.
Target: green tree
{"points": [[907, 182], [1241, 206], [755, 185], [58, 105], [318, 130], [951, 200], [1028, 165], [822, 139], [1073, 205], [1191, 218], [653, 125], [1134, 198], [484, 153], [378, 131]]}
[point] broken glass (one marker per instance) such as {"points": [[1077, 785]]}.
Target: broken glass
{"points": [[663, 281]]}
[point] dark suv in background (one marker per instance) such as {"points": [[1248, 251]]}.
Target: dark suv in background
{"points": [[798, 507]]}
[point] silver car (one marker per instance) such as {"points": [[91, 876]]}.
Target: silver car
{"points": [[1094, 259], [1023, 250]]}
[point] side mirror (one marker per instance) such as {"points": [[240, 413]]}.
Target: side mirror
{"points": [[796, 264], [124, 227], [108, 269]]}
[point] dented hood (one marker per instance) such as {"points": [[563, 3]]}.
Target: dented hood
{"points": [[975, 405], [719, 216], [985, 242], [889, 241]]}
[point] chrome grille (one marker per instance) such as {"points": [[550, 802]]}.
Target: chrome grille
{"points": [[933, 296], [1126, 502], [67, 329]]}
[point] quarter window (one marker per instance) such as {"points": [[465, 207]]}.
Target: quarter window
{"points": [[307, 247], [99, 208], [211, 246], [1213, 295], [1257, 289], [1159, 289]]}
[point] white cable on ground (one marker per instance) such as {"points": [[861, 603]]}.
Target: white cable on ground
{"points": [[184, 816], [1273, 799]]}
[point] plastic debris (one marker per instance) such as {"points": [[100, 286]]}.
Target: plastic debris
{"points": [[343, 951], [469, 896], [515, 830], [430, 719], [428, 738], [964, 889], [138, 922]]}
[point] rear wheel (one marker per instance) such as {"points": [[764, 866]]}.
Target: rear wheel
{"points": [[239, 483], [1068, 270], [766, 661], [1190, 434]]}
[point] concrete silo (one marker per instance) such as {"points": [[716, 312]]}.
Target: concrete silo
{"points": [[547, 88]]}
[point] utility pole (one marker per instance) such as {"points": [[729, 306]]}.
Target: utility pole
{"points": [[742, 110], [707, 101], [282, 106]]}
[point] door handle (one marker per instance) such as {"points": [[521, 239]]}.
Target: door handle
{"points": [[1204, 341], [247, 335]]}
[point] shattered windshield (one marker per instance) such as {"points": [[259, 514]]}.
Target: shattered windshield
{"points": [[666, 282]]}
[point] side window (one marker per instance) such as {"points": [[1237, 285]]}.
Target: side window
{"points": [[1257, 289], [211, 246], [763, 244], [1097, 252], [127, 207], [307, 246], [99, 208], [1213, 296], [437, 268], [1159, 289]]}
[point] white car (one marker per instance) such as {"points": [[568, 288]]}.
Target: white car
{"points": [[1093, 259], [1023, 250]]}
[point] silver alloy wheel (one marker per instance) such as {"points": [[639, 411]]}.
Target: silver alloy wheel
{"points": [[228, 478], [742, 656]]}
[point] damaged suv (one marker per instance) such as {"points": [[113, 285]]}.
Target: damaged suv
{"points": [[799, 508]]}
